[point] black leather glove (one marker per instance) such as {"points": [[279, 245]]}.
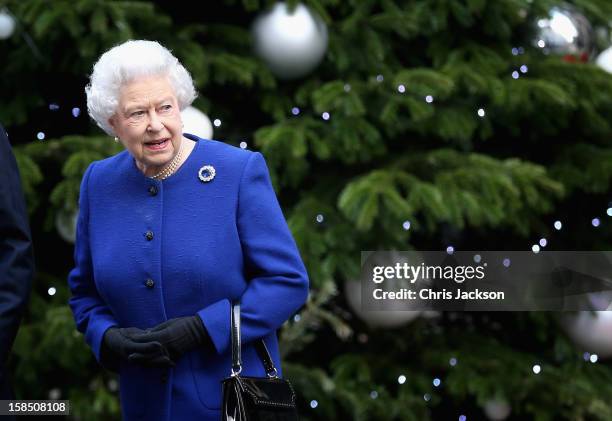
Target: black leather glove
{"points": [[121, 344], [177, 336]]}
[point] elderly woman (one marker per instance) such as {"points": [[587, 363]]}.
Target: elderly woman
{"points": [[170, 232]]}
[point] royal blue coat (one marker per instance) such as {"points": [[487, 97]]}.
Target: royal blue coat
{"points": [[147, 251]]}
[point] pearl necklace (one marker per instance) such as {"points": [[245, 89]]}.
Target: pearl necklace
{"points": [[171, 167]]}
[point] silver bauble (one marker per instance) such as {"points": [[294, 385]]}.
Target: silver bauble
{"points": [[55, 393], [65, 223], [591, 331], [604, 60], [392, 315], [387, 318], [565, 32], [7, 24], [196, 122], [291, 44], [496, 409]]}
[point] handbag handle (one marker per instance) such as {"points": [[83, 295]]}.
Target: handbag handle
{"points": [[260, 347]]}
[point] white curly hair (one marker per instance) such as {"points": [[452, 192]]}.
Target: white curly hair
{"points": [[125, 62]]}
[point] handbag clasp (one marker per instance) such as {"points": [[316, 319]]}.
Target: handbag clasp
{"points": [[236, 372], [273, 373]]}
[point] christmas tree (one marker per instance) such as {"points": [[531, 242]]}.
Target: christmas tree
{"points": [[386, 125]]}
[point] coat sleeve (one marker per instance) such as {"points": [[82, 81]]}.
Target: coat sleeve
{"points": [[91, 314], [16, 257], [276, 276]]}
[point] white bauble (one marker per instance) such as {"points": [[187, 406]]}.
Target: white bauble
{"points": [[197, 123], [291, 44], [496, 410], [65, 223], [7, 25], [604, 60]]}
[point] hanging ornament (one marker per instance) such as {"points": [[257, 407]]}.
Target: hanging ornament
{"points": [[292, 43], [392, 316], [387, 319], [496, 409], [197, 123], [65, 223], [55, 393], [604, 60], [565, 32], [7, 24], [591, 331]]}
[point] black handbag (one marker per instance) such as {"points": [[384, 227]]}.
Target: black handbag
{"points": [[255, 398]]}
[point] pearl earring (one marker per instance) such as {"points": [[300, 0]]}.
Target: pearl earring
{"points": [[116, 139]]}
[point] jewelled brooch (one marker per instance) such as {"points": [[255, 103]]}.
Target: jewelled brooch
{"points": [[206, 173]]}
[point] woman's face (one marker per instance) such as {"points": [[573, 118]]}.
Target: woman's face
{"points": [[148, 122]]}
